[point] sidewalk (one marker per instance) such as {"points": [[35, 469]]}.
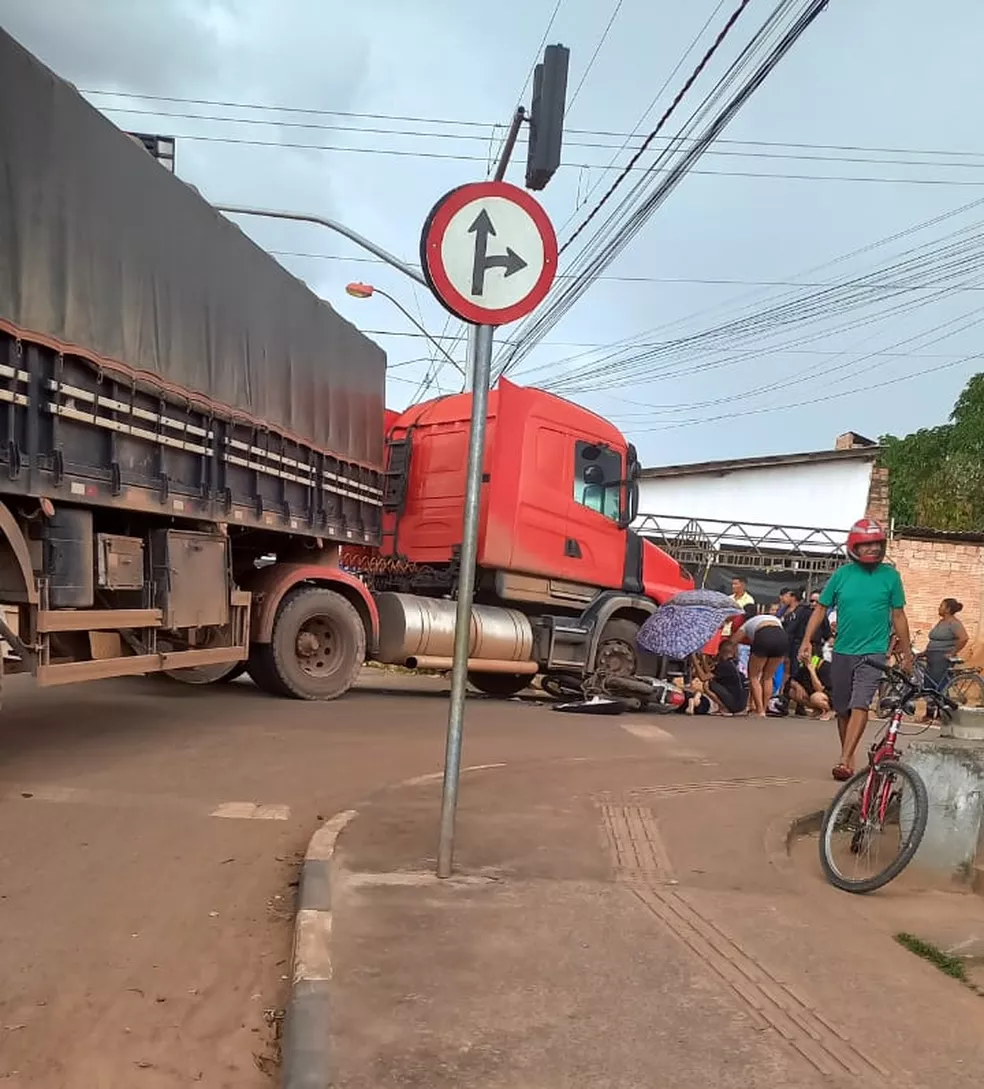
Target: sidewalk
{"points": [[632, 921]]}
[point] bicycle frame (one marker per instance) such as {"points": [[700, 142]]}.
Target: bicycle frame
{"points": [[884, 747]]}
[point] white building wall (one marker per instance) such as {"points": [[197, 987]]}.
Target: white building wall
{"points": [[828, 494]]}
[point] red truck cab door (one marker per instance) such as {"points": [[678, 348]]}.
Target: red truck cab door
{"points": [[595, 535]]}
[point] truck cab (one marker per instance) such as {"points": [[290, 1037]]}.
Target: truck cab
{"points": [[559, 495]]}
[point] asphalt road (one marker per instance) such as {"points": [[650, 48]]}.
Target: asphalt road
{"points": [[150, 837]]}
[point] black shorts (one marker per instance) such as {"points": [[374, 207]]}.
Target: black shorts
{"points": [[771, 641]]}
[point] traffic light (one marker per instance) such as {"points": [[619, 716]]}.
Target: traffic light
{"points": [[547, 116]]}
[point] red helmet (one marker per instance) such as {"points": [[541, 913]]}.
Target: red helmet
{"points": [[866, 531]]}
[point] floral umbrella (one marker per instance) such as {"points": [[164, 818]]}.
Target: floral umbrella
{"points": [[687, 622]]}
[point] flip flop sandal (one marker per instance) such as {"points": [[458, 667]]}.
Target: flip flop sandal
{"points": [[842, 773]]}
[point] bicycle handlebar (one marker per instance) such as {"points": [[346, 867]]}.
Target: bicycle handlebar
{"points": [[915, 688]]}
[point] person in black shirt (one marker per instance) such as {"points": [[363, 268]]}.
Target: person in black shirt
{"points": [[796, 616], [823, 632], [809, 688], [727, 689]]}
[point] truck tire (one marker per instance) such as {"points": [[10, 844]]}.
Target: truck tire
{"points": [[617, 646], [316, 650], [617, 652], [499, 684]]}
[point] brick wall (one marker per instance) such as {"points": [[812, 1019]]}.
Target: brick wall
{"points": [[934, 569], [878, 496]]}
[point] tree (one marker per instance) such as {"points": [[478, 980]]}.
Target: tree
{"points": [[936, 474]]}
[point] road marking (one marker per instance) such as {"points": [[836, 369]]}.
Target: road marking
{"points": [[647, 732], [251, 811], [113, 799], [436, 776]]}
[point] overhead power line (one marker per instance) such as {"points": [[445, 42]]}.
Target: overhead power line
{"points": [[949, 264], [465, 123], [408, 154], [697, 421], [594, 56], [493, 159], [667, 114], [721, 104], [712, 281], [864, 156]]}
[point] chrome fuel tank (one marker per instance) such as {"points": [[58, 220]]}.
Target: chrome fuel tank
{"points": [[412, 628]]}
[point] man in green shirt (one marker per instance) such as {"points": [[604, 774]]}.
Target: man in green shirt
{"points": [[870, 602]]}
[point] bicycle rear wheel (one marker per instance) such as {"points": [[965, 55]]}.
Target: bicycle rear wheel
{"points": [[861, 855], [966, 690]]}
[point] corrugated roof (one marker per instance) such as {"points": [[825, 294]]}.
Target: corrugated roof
{"points": [[864, 453], [925, 533]]}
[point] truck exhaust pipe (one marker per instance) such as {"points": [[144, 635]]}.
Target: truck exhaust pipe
{"points": [[476, 665]]}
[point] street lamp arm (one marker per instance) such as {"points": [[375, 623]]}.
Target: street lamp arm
{"points": [[339, 228], [413, 321]]}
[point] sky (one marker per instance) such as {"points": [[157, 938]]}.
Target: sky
{"points": [[867, 128]]}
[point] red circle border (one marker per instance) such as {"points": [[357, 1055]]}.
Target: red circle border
{"points": [[436, 226]]}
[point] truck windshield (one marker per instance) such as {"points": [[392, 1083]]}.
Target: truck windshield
{"points": [[598, 478]]}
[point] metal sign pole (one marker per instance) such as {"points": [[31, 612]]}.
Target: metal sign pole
{"points": [[480, 370], [470, 234]]}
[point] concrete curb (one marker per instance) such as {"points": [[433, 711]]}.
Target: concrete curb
{"points": [[781, 832], [306, 1043]]}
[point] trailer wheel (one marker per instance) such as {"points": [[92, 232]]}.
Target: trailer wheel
{"points": [[499, 684], [210, 674], [317, 648]]}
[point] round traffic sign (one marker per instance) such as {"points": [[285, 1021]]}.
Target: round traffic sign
{"points": [[489, 252]]}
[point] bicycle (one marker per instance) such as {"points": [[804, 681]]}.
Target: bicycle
{"points": [[874, 803], [964, 686]]}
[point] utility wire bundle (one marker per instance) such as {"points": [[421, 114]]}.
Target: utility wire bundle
{"points": [[916, 278], [767, 46]]}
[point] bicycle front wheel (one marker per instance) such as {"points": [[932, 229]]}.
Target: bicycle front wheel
{"points": [[863, 846]]}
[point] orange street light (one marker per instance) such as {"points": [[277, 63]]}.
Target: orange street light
{"points": [[360, 290]]}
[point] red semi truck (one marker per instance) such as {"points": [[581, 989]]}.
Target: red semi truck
{"points": [[198, 476]]}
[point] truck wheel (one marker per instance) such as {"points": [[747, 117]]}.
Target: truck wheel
{"points": [[617, 653], [499, 684], [317, 649]]}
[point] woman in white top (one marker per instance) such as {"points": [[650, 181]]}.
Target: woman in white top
{"points": [[769, 644]]}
